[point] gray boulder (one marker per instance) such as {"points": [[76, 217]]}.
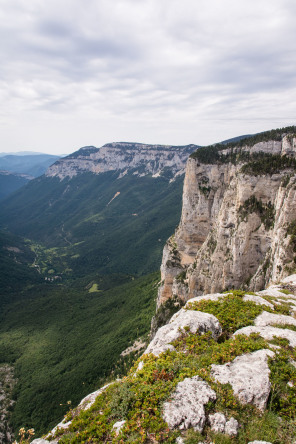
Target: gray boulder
{"points": [[118, 426], [249, 377], [186, 409], [258, 300], [268, 333], [43, 441], [196, 321], [259, 442], [265, 319], [219, 424], [231, 427]]}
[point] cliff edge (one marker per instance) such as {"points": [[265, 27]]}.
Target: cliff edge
{"points": [[238, 219]]}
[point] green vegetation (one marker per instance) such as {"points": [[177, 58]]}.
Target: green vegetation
{"points": [[64, 341], [266, 212], [165, 312], [204, 187], [232, 312], [181, 276], [93, 288], [254, 164], [10, 183], [211, 154], [283, 399], [268, 164], [78, 233], [16, 274], [139, 397], [285, 291], [74, 298]]}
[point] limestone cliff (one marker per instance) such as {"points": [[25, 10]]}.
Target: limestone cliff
{"points": [[239, 206], [142, 159]]}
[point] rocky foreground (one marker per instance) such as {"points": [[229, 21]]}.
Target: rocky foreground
{"points": [[223, 370]]}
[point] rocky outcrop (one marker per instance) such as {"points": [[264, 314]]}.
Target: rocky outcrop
{"points": [[269, 333], [194, 321], [185, 381], [234, 228], [186, 409], [140, 159], [219, 424], [266, 318], [249, 377]]}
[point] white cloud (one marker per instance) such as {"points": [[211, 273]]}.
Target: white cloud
{"points": [[94, 71]]}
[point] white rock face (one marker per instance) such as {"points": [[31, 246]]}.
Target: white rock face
{"points": [[266, 318], [231, 427], [186, 409], [206, 297], [290, 280], [273, 290], [142, 159], [219, 247], [43, 441], [260, 442], [217, 422], [197, 321], [249, 377], [118, 426], [88, 401], [268, 333], [258, 300]]}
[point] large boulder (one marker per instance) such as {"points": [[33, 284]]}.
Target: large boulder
{"points": [[196, 321], [269, 333], [186, 408], [249, 377]]}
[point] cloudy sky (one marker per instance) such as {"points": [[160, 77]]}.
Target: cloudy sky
{"points": [[88, 72]]}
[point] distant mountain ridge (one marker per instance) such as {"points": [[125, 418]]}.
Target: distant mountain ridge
{"points": [[140, 159], [104, 206], [32, 164]]}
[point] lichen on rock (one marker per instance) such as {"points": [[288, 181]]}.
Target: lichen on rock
{"points": [[249, 377], [186, 409]]}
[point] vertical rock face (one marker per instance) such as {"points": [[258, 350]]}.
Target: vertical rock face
{"points": [[234, 228]]}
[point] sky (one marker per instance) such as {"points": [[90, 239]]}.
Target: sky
{"points": [[88, 72]]}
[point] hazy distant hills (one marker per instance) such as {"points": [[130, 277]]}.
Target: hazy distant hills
{"points": [[31, 164], [17, 169]]}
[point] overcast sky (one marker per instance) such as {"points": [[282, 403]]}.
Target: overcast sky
{"points": [[88, 72]]}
